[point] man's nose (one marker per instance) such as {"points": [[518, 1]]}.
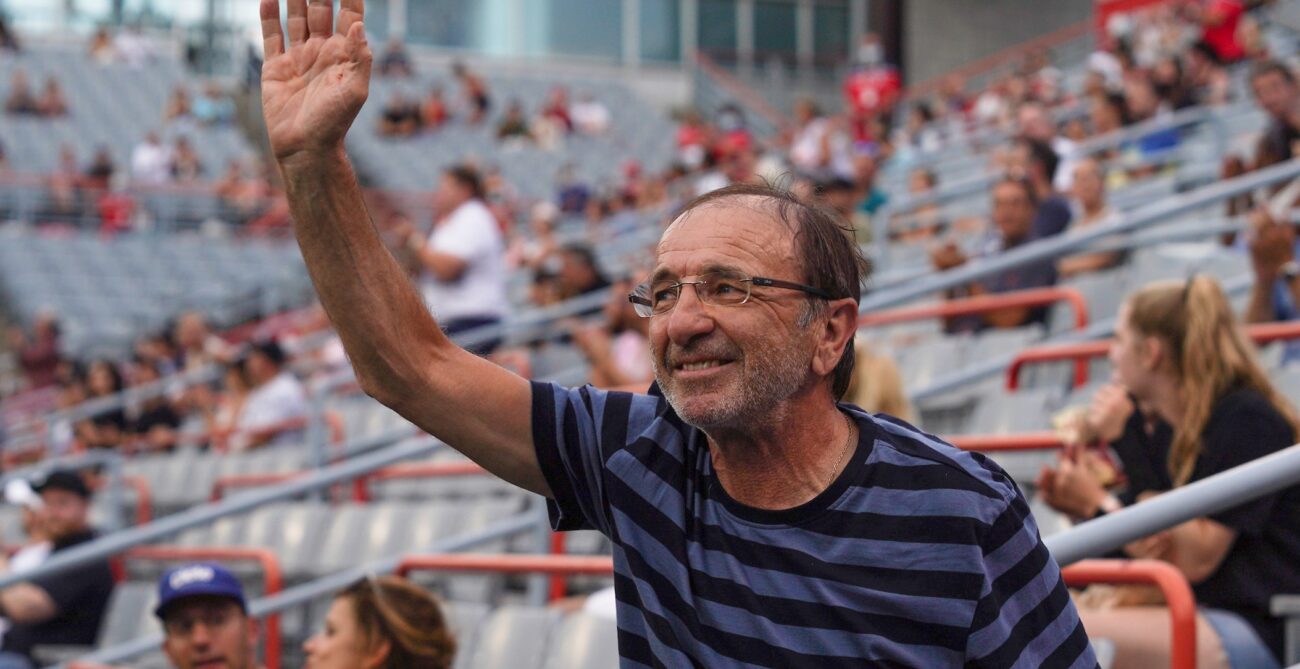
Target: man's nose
{"points": [[689, 318]]}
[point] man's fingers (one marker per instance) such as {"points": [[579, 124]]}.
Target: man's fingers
{"points": [[272, 36], [350, 11], [297, 22], [320, 18]]}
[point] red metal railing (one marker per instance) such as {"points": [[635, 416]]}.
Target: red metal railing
{"points": [[272, 578], [1260, 333], [1172, 583], [991, 443]]}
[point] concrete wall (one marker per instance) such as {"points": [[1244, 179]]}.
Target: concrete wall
{"points": [[941, 35]]}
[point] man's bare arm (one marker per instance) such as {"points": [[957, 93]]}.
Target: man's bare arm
{"points": [[311, 93]]}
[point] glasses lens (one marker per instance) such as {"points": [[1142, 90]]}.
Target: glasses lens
{"points": [[640, 299], [663, 295], [723, 288]]}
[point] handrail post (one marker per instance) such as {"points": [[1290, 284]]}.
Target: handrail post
{"points": [[538, 586], [1173, 585]]}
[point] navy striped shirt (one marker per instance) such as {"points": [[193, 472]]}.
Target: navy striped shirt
{"points": [[918, 555]]}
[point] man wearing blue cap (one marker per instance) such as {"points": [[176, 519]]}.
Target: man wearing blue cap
{"points": [[205, 619]]}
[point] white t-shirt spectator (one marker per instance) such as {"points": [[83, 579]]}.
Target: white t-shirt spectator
{"points": [[275, 402], [590, 117], [151, 163], [470, 233]]}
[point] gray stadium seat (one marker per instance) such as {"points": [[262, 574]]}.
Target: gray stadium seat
{"points": [[514, 637], [584, 641]]}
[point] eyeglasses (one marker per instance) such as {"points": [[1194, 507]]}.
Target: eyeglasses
{"points": [[719, 289]]}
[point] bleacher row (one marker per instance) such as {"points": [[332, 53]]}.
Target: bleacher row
{"points": [[110, 105], [109, 292], [413, 163]]}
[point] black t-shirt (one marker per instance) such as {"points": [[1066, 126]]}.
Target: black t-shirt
{"points": [[1275, 144], [80, 597], [1265, 559], [1145, 455], [1052, 218]]}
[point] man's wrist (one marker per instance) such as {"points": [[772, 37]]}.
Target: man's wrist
{"points": [[312, 159]]}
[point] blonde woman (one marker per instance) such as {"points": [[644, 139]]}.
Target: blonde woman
{"points": [[876, 385], [1180, 353]]}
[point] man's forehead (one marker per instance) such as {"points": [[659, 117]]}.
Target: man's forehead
{"points": [[747, 226]]}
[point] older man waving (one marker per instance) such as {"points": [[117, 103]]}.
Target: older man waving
{"points": [[756, 522]]}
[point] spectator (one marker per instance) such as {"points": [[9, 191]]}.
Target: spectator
{"points": [[810, 151], [52, 104], [1181, 355], [21, 101], [513, 125], [1219, 20], [1108, 113], [692, 140], [1275, 295], [64, 183], [179, 107], [383, 623], [213, 106], [530, 251], [579, 274], [4, 161], [1013, 215], [400, 117], [395, 62], [100, 171], [919, 132], [1036, 125], [221, 414], [275, 411], [590, 116], [151, 161], [433, 111], [1091, 209], [243, 192], [205, 619], [1207, 80], [64, 608], [869, 197], [156, 422], [925, 221], [463, 258], [197, 346], [1037, 161], [573, 194], [1275, 90], [841, 196], [40, 356], [556, 109], [186, 166], [1170, 85], [618, 349], [105, 429], [36, 545], [132, 47], [102, 50], [477, 97]]}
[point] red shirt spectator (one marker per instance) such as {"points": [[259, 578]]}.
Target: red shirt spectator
{"points": [[1220, 29], [870, 91]]}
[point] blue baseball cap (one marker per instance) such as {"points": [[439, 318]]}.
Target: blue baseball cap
{"points": [[202, 579]]}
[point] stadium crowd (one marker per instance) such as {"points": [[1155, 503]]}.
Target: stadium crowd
{"points": [[1156, 413]]}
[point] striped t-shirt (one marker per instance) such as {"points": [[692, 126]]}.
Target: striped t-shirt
{"points": [[918, 555]]}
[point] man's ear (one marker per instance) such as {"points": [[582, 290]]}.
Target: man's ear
{"points": [[841, 325]]}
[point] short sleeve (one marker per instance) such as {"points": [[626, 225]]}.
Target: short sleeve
{"points": [[575, 432], [1247, 430], [467, 236], [1024, 616]]}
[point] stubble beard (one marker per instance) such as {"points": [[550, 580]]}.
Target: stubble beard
{"points": [[751, 397]]}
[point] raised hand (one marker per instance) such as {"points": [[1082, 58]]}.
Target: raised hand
{"points": [[312, 91]]}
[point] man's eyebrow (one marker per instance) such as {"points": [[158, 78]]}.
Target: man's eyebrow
{"points": [[661, 274]]}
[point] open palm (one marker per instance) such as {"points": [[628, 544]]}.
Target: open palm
{"points": [[312, 91]]}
